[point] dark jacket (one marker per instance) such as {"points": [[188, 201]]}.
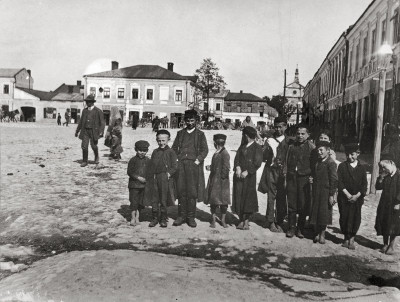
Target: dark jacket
{"points": [[201, 149], [324, 185], [387, 218], [218, 186], [139, 167], [98, 123], [353, 180], [244, 195], [299, 157]]}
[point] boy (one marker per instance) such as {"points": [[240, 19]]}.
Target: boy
{"points": [[272, 179], [324, 188], [247, 161], [352, 185], [191, 148], [297, 167], [164, 163], [138, 171], [218, 187]]}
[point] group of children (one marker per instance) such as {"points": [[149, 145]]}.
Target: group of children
{"points": [[302, 180]]}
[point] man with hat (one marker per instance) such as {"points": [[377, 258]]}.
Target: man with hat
{"points": [[272, 179], [191, 148], [91, 128]]}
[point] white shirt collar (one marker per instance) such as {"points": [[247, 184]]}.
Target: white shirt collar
{"points": [[190, 131], [90, 108], [249, 144]]}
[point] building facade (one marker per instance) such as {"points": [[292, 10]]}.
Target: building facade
{"points": [[343, 92], [294, 93], [142, 90]]}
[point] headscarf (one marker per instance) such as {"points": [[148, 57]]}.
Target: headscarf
{"points": [[114, 115]]}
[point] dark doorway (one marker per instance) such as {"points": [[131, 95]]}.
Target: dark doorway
{"points": [[29, 113], [75, 115], [106, 116]]}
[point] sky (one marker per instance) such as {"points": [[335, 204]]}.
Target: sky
{"points": [[251, 41]]}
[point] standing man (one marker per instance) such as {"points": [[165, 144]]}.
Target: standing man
{"points": [[91, 128], [273, 180], [59, 119], [298, 168], [191, 148], [66, 118]]}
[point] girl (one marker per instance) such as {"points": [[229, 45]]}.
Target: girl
{"points": [[115, 121], [387, 221], [248, 160], [218, 186], [324, 188], [352, 186]]}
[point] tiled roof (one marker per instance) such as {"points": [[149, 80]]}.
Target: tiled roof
{"points": [[241, 96], [9, 72], [140, 72], [221, 94], [42, 95], [67, 88], [68, 93]]}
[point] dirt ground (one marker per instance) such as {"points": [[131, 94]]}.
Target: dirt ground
{"points": [[62, 226]]}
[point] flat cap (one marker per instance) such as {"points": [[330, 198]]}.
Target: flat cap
{"points": [[220, 136], [280, 119], [350, 148], [250, 132], [142, 145], [190, 113], [323, 144], [163, 131]]}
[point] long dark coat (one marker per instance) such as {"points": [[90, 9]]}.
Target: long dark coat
{"points": [[218, 186], [99, 123], [201, 147], [324, 185], [354, 180], [244, 197], [387, 218]]}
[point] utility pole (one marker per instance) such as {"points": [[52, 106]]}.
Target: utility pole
{"points": [[378, 129], [284, 86]]}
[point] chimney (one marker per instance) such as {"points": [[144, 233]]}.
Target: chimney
{"points": [[114, 65], [241, 91], [29, 72], [170, 66], [78, 83]]}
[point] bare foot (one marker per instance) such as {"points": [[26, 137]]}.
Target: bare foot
{"points": [[240, 226], [212, 225], [384, 249], [224, 224], [345, 243], [390, 251]]}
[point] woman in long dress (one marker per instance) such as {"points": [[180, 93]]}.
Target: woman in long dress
{"points": [[114, 131]]}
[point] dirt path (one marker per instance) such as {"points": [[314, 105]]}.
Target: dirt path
{"points": [[49, 205]]}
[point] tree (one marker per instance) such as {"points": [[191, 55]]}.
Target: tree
{"points": [[208, 79], [281, 105]]}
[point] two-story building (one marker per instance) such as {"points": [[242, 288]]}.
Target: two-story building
{"points": [[143, 90]]}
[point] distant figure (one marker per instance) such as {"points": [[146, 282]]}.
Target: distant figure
{"points": [[59, 119], [392, 149], [114, 131], [91, 128], [66, 118], [135, 120], [156, 124], [247, 122]]}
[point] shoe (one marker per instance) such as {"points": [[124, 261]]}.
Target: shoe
{"points": [[299, 234], [84, 164], [163, 223], [179, 221], [191, 222], [316, 239], [153, 223], [290, 232]]}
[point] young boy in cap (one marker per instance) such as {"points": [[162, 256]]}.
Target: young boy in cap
{"points": [[352, 187], [297, 168], [324, 188], [164, 163], [247, 161], [139, 171], [218, 187], [191, 148], [272, 180], [91, 127]]}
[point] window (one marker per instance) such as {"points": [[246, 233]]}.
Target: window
{"points": [[93, 91], [228, 107], [164, 93], [238, 108], [178, 96], [396, 29], [121, 93], [351, 62], [383, 37], [218, 106], [6, 89], [106, 93], [135, 93], [357, 55], [249, 108], [50, 113], [365, 51], [149, 94], [373, 42]]}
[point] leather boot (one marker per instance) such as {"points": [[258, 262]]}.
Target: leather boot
{"points": [[163, 220], [154, 220], [182, 209], [292, 225], [191, 213], [85, 155], [96, 156]]}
